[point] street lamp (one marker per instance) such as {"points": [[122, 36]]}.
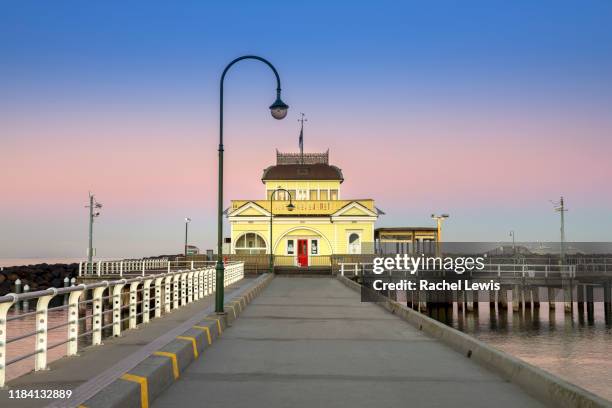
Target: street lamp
{"points": [[439, 219], [290, 207], [94, 212], [187, 221], [278, 110]]}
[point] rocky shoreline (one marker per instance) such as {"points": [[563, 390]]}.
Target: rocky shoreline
{"points": [[37, 277]]}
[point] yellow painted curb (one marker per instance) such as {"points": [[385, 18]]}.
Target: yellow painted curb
{"points": [[193, 341], [144, 389], [207, 330], [172, 356]]}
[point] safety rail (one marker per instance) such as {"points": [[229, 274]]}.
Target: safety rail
{"points": [[147, 297], [135, 267], [493, 270]]}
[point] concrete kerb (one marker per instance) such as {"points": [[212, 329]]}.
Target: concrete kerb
{"points": [[542, 385], [145, 382]]}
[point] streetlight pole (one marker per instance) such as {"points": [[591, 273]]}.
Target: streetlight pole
{"points": [[290, 207], [439, 219], [513, 243], [560, 207], [187, 221], [93, 206], [279, 111]]}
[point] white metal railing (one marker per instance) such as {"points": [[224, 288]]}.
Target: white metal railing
{"points": [[90, 305], [135, 267], [499, 270]]}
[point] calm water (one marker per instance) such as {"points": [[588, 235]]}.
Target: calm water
{"points": [[24, 346], [570, 347]]}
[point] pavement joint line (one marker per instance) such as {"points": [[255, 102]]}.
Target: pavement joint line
{"points": [[207, 330], [144, 389], [172, 356], [94, 385], [193, 341]]}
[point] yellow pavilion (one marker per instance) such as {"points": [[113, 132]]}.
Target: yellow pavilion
{"points": [[321, 223]]}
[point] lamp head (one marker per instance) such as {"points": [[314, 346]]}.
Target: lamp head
{"points": [[187, 219], [279, 109], [290, 207]]}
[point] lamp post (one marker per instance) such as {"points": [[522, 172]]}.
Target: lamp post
{"points": [[94, 212], [290, 207], [278, 110], [513, 243], [187, 221], [439, 219]]}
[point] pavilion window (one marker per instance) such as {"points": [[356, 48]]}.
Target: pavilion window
{"points": [[323, 195], [314, 195], [333, 194], [250, 243]]}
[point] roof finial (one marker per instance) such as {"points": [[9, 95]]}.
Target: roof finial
{"points": [[301, 141]]}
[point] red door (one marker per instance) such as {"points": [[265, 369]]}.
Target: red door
{"points": [[302, 252]]}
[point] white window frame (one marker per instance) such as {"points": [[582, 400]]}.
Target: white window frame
{"points": [[348, 241], [312, 247], [293, 246]]}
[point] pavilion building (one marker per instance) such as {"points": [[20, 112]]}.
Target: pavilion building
{"points": [[322, 222]]}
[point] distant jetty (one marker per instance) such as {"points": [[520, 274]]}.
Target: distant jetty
{"points": [[37, 277]]}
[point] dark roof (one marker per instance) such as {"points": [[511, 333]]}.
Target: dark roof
{"points": [[317, 171]]}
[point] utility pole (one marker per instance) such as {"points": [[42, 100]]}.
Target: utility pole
{"points": [[560, 207], [93, 206]]}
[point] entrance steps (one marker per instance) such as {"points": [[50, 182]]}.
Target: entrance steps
{"points": [[308, 271]]}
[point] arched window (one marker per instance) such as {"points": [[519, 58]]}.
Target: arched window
{"points": [[354, 243], [250, 243]]}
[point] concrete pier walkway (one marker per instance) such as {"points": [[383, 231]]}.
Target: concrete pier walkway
{"points": [[310, 342]]}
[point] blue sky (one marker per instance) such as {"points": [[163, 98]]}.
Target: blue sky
{"points": [[132, 87]]}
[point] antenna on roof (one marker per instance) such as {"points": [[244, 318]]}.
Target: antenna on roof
{"points": [[301, 141]]}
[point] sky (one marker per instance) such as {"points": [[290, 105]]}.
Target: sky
{"points": [[485, 110]]}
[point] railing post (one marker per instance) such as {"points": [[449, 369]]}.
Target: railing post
{"points": [[80, 268], [97, 315], [183, 289], [175, 291], [158, 305], [168, 293], [190, 287], [342, 269], [121, 269], [73, 321], [99, 267], [117, 308], [200, 275], [192, 265], [4, 308], [146, 300], [168, 266], [133, 303], [143, 267]]}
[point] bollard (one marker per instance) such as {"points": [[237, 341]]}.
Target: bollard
{"points": [[66, 284], [26, 303], [18, 291], [73, 282]]}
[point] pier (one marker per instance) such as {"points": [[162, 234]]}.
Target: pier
{"points": [[153, 340]]}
